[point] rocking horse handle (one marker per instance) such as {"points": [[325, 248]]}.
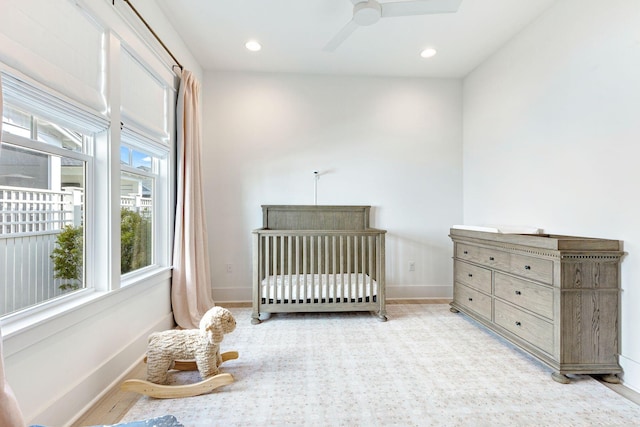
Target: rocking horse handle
{"points": [[190, 365], [229, 355]]}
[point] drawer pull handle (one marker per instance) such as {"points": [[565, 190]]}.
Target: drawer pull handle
{"points": [[527, 267], [470, 299], [491, 258], [518, 293], [470, 275], [465, 252], [518, 323]]}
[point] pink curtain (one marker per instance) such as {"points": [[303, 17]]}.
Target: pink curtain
{"points": [[191, 283], [10, 414]]}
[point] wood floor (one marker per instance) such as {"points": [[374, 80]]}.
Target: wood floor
{"points": [[115, 404]]}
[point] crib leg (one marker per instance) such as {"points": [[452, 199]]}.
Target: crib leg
{"points": [[382, 317], [255, 319]]}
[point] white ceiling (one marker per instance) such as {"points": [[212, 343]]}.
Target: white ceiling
{"points": [[294, 32]]}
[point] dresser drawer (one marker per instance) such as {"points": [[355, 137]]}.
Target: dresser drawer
{"points": [[486, 256], [472, 275], [528, 327], [529, 295], [473, 300], [531, 268]]}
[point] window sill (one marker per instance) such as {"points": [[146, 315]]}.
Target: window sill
{"points": [[22, 330]]}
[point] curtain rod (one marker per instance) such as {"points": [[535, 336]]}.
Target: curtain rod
{"points": [[152, 32]]}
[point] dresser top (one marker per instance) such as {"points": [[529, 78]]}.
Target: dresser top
{"points": [[544, 241]]}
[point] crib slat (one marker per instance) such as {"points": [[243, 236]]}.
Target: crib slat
{"points": [[345, 291], [363, 242], [280, 270], [325, 259], [349, 270], [304, 269], [298, 249], [356, 257], [267, 265], [312, 243], [363, 267], [333, 268], [274, 267], [370, 272], [319, 271], [288, 264], [325, 270]]}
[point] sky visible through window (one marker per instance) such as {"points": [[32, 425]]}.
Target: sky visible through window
{"points": [[135, 159]]}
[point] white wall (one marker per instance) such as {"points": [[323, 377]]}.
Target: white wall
{"points": [[551, 134], [394, 144], [60, 366]]}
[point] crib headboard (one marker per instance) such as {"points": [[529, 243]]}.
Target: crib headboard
{"points": [[313, 217]]}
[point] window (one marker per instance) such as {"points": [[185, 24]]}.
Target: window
{"points": [[65, 229], [137, 184], [50, 180], [44, 166], [143, 196]]}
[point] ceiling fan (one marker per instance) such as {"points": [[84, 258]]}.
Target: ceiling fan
{"points": [[368, 12]]}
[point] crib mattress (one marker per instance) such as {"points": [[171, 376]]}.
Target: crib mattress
{"points": [[319, 288]]}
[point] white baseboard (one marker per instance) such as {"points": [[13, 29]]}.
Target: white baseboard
{"points": [[631, 376], [419, 292], [222, 295]]}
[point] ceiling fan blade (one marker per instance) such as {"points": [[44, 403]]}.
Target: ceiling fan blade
{"points": [[341, 36], [419, 7]]}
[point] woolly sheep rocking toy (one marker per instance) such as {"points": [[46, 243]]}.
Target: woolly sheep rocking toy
{"points": [[187, 349]]}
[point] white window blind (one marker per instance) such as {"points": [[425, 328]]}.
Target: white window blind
{"points": [[25, 95]]}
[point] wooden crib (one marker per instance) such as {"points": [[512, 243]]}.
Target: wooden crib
{"points": [[318, 259]]}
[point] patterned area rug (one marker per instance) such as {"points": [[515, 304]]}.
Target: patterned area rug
{"points": [[424, 367]]}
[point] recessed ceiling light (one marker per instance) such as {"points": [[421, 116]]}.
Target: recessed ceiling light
{"points": [[428, 52], [253, 45]]}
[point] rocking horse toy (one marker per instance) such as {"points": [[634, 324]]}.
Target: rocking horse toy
{"points": [[187, 350]]}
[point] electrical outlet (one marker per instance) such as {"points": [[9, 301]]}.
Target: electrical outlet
{"points": [[412, 266], [229, 269]]}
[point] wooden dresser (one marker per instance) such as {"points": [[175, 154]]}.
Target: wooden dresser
{"points": [[555, 297]]}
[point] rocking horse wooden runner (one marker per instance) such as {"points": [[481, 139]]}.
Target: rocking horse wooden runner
{"points": [[161, 391], [187, 350]]}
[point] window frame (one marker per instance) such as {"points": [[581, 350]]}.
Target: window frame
{"points": [[35, 145]]}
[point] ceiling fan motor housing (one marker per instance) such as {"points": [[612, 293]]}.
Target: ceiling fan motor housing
{"points": [[367, 12]]}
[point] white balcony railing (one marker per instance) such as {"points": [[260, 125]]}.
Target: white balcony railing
{"points": [[28, 211]]}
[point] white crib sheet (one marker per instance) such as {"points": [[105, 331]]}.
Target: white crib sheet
{"points": [[319, 287]]}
